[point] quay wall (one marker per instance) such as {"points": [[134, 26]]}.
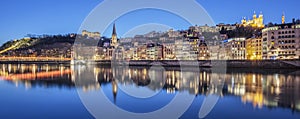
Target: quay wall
{"points": [[264, 64]]}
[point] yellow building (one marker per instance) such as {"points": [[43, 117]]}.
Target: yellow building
{"points": [[256, 22], [254, 48]]}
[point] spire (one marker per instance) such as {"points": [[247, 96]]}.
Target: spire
{"points": [[260, 14], [283, 18], [254, 15], [114, 30]]}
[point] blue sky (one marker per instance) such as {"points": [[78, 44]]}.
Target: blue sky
{"points": [[19, 17]]}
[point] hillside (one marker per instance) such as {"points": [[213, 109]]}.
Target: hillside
{"points": [[56, 45]]}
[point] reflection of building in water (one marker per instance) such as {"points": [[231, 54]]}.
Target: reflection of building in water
{"points": [[114, 89], [266, 90], [271, 90], [32, 75]]}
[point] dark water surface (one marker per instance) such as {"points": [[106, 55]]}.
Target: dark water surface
{"points": [[55, 91]]}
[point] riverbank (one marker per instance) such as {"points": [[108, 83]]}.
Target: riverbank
{"points": [[264, 64]]}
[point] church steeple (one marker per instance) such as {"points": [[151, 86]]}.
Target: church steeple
{"points": [[254, 15], [113, 41], [114, 30], [283, 18]]}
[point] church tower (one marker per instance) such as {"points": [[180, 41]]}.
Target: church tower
{"points": [[114, 38], [282, 18], [254, 16], [261, 20]]}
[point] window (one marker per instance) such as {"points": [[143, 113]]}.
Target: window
{"points": [[286, 27], [265, 39]]}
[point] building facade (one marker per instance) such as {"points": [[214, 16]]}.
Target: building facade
{"points": [[235, 48], [88, 34], [254, 48], [281, 41]]}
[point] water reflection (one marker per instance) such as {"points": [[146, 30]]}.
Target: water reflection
{"points": [[273, 89]]}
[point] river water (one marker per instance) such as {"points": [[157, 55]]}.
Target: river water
{"points": [[92, 91]]}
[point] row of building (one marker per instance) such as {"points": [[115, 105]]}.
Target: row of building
{"points": [[279, 41]]}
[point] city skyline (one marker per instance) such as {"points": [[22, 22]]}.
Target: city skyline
{"points": [[50, 17]]}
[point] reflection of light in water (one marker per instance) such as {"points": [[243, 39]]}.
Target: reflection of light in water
{"points": [[271, 90], [140, 91], [27, 85], [114, 89], [23, 68], [256, 98], [253, 79], [47, 67], [9, 68], [33, 70], [298, 105], [277, 90]]}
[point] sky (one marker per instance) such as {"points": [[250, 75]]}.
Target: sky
{"points": [[19, 17]]}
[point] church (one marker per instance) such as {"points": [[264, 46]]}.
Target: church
{"points": [[256, 22]]}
